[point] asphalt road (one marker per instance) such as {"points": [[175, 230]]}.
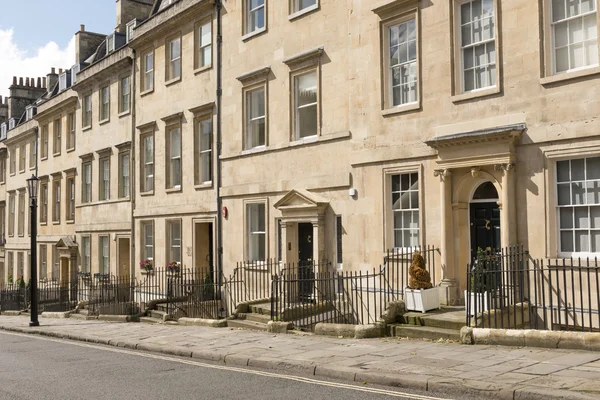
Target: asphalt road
{"points": [[33, 367]]}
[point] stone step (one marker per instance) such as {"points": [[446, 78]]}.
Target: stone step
{"points": [[83, 317], [448, 318], [158, 314], [252, 325], [254, 317], [262, 309], [423, 332], [151, 320], [83, 311]]}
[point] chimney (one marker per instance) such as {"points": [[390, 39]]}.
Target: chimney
{"points": [[52, 79], [3, 111], [86, 44], [22, 93], [27, 82], [128, 10], [39, 82]]}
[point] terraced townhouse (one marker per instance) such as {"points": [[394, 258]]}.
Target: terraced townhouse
{"points": [[309, 130]]}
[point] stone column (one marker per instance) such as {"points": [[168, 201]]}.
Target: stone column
{"points": [[315, 239], [449, 284], [508, 215], [284, 244]]}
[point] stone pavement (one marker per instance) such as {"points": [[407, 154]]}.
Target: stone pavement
{"points": [[481, 371]]}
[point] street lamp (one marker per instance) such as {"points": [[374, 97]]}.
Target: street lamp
{"points": [[32, 186]]}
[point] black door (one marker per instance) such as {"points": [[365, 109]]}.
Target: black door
{"points": [[485, 227], [305, 261]]}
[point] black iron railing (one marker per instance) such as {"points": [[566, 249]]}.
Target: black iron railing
{"points": [[510, 290], [306, 299]]}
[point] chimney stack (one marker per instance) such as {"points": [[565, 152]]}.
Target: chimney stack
{"points": [[82, 28], [128, 10], [52, 79], [39, 82]]}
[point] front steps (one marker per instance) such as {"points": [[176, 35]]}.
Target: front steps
{"points": [[436, 324]]}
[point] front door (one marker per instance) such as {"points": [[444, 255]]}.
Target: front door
{"points": [[485, 227], [305, 261]]}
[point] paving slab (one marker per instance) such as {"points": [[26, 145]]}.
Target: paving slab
{"points": [[484, 371]]}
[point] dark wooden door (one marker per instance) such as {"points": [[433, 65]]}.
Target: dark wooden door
{"points": [[485, 227], [306, 276]]}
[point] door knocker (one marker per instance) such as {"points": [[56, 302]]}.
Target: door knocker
{"points": [[309, 239], [488, 225]]}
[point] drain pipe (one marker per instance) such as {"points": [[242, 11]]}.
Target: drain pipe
{"points": [[219, 6], [132, 161]]}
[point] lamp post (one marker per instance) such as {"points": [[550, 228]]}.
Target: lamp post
{"points": [[32, 186]]}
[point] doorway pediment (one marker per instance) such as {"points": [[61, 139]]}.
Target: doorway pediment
{"points": [[66, 246], [475, 148], [300, 199]]}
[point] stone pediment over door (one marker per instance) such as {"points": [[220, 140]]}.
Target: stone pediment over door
{"points": [[492, 146], [300, 200], [67, 246]]}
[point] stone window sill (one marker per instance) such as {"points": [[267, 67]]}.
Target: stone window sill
{"points": [[44, 158], [86, 128], [253, 150], [204, 185], [475, 94], [124, 113], [199, 70], [72, 149], [148, 193], [70, 221], [401, 109], [173, 81], [55, 154], [55, 222], [104, 121], [176, 189], [566, 76], [300, 13], [147, 91], [252, 34]]}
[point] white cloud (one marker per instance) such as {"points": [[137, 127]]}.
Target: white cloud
{"points": [[21, 63]]}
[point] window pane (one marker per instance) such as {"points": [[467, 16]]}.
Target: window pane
{"points": [[566, 241], [581, 217], [564, 194], [466, 35], [578, 169], [595, 239], [558, 10], [465, 13], [566, 218], [577, 193], [572, 7], [307, 121], [582, 241], [595, 217], [469, 80]]}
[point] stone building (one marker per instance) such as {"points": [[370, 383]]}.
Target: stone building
{"points": [[331, 130]]}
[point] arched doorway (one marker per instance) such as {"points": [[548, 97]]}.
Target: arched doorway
{"points": [[484, 213]]}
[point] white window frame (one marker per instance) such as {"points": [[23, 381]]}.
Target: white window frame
{"points": [[296, 8], [32, 154], [86, 178], [104, 254], [21, 210], [124, 94], [389, 220], [129, 30], [584, 205], [174, 164], [22, 157], [71, 199], [250, 12], [251, 235], [44, 202], [105, 103], [87, 111], [110, 43], [203, 48], [297, 108], [485, 42], [104, 179], [86, 254], [57, 136], [171, 224], [43, 261], [148, 248], [148, 73], [44, 140], [56, 194], [552, 28], [174, 62], [204, 158], [250, 138], [62, 82], [147, 167], [124, 175], [72, 127], [388, 86], [13, 160]]}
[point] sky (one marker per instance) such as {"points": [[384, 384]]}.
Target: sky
{"points": [[36, 35]]}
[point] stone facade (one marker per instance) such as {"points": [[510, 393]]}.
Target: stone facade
{"points": [[321, 156]]}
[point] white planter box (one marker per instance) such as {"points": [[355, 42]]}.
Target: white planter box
{"points": [[482, 302], [422, 299]]}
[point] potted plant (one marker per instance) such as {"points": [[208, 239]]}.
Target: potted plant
{"points": [[173, 268], [421, 295], [480, 282], [147, 266]]}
